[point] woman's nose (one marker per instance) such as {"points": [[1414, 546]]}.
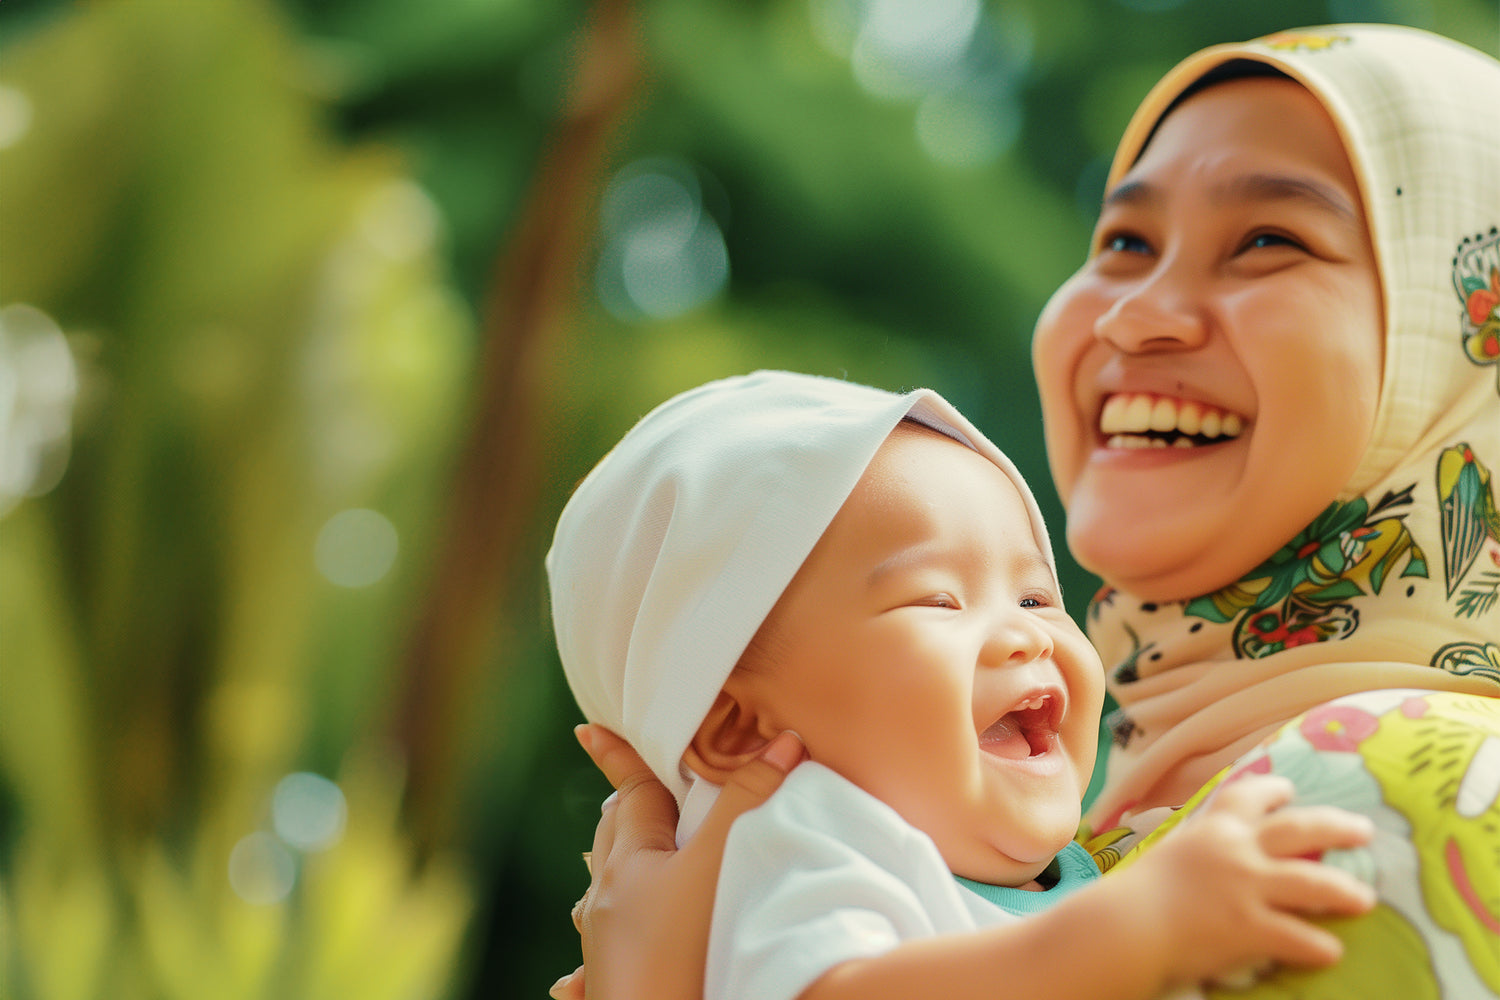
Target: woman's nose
{"points": [[1161, 312]]}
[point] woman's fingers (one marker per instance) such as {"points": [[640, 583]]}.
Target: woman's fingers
{"points": [[569, 987], [604, 837], [641, 805], [748, 787], [644, 919], [610, 754]]}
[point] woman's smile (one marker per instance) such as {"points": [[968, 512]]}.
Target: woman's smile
{"points": [[1134, 420]]}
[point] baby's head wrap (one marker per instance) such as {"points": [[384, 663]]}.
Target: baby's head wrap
{"points": [[1397, 584], [674, 549]]}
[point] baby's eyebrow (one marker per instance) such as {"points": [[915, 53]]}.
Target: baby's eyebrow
{"points": [[1021, 563], [906, 559]]}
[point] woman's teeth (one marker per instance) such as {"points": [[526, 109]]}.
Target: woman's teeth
{"points": [[1145, 420]]}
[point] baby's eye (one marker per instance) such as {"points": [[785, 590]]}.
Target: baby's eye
{"points": [[940, 600]]}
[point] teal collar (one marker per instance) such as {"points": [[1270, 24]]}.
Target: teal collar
{"points": [[1071, 869]]}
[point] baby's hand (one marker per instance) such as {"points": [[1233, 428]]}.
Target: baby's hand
{"points": [[1234, 886]]}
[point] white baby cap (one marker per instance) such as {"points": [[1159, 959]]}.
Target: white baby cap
{"points": [[673, 550]]}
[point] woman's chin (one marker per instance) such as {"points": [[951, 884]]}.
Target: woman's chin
{"points": [[1160, 565]]}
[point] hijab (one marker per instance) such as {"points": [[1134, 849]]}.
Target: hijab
{"points": [[1397, 582]]}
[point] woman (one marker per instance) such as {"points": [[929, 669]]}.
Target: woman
{"points": [[1272, 407]]}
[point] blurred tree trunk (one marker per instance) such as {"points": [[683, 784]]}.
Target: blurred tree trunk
{"points": [[534, 288]]}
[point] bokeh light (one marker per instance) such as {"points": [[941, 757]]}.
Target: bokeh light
{"points": [[38, 386], [968, 126], [357, 547], [663, 254], [400, 220], [961, 62], [308, 811], [906, 47], [261, 869], [15, 116]]}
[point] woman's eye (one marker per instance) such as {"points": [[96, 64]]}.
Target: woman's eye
{"points": [[1126, 243], [1262, 241]]}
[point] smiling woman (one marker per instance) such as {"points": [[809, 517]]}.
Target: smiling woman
{"points": [[1253, 259], [1235, 233]]}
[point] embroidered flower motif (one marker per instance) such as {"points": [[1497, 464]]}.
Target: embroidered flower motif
{"points": [[1476, 279], [1270, 632], [1338, 728], [1300, 594], [1310, 41], [1479, 659], [1470, 523]]}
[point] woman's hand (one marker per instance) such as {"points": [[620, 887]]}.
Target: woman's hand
{"points": [[644, 918]]}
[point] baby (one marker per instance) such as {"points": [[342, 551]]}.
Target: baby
{"points": [[780, 551]]}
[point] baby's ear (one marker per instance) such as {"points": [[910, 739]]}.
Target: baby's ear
{"points": [[730, 735]]}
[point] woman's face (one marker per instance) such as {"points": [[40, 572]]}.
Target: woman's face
{"points": [[1209, 377]]}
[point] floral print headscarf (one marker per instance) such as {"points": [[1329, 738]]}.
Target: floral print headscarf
{"points": [[1397, 582]]}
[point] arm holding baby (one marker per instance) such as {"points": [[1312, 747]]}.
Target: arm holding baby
{"points": [[1232, 889]]}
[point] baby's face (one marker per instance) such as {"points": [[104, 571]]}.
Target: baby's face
{"points": [[923, 652], [1209, 378]]}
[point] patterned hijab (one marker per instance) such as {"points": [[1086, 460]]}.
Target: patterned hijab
{"points": [[1396, 583]]}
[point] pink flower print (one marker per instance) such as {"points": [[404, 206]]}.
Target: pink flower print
{"points": [[1260, 765], [1414, 707], [1338, 728]]}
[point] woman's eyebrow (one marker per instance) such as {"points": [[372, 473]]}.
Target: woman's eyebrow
{"points": [[1283, 187], [1132, 193], [1250, 188]]}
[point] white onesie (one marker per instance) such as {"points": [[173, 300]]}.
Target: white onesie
{"points": [[824, 872]]}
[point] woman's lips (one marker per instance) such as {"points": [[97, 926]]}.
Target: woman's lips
{"points": [[1136, 420]]}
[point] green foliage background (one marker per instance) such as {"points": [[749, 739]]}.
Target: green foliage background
{"points": [[327, 254]]}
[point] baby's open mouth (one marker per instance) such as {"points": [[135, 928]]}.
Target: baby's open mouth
{"points": [[1028, 730], [1146, 420]]}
